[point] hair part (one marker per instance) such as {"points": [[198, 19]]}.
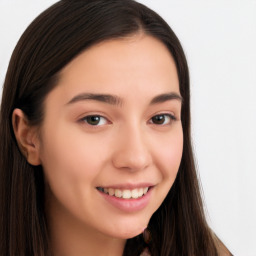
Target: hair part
{"points": [[52, 40]]}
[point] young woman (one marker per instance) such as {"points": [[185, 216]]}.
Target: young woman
{"points": [[95, 153]]}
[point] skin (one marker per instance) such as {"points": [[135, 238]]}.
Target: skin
{"points": [[127, 147]]}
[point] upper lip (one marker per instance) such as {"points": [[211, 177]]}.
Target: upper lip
{"points": [[129, 185]]}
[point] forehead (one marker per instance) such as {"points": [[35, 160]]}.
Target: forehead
{"points": [[140, 63]]}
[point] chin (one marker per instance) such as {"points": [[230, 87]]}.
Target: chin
{"points": [[128, 230], [131, 234]]}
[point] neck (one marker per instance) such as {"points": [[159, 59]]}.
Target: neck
{"points": [[70, 237]]}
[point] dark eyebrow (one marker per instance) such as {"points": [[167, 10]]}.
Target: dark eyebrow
{"points": [[106, 98], [117, 101], [165, 97]]}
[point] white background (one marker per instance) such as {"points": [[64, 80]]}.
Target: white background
{"points": [[219, 38]]}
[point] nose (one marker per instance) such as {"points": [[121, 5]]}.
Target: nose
{"points": [[132, 152]]}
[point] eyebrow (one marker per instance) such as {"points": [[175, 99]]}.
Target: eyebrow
{"points": [[166, 97], [117, 101], [106, 98]]}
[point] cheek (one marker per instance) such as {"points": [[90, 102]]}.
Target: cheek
{"points": [[69, 160], [72, 163], [167, 157], [169, 154]]}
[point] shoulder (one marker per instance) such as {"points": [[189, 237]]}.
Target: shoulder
{"points": [[221, 248]]}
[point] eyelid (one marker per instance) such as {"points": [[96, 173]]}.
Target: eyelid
{"points": [[171, 116], [84, 120]]}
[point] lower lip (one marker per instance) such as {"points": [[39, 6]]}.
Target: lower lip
{"points": [[128, 205]]}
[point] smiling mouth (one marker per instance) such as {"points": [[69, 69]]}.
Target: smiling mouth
{"points": [[125, 193]]}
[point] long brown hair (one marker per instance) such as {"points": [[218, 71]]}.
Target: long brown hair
{"points": [[52, 40]]}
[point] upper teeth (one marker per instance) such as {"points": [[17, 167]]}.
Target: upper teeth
{"points": [[126, 193]]}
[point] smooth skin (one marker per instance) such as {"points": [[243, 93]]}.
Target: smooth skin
{"points": [[130, 137]]}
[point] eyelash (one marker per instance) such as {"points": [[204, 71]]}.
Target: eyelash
{"points": [[169, 116], [86, 118], [160, 116]]}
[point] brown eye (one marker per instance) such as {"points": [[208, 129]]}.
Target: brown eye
{"points": [[95, 120], [162, 119]]}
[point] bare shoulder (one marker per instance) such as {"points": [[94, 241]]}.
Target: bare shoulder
{"points": [[222, 249]]}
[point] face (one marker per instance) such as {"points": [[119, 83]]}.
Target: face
{"points": [[111, 141]]}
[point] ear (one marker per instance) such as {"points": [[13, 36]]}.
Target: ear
{"points": [[26, 136]]}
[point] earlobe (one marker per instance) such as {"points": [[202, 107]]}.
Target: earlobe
{"points": [[26, 136]]}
